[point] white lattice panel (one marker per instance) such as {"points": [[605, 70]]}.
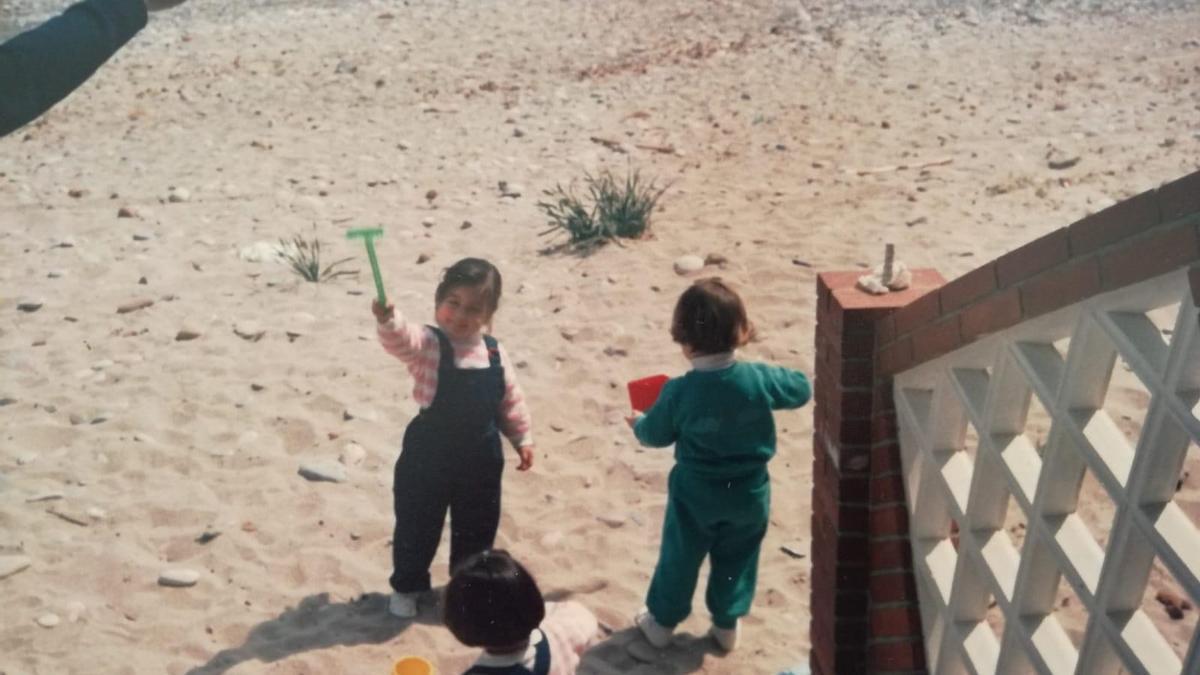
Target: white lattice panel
{"points": [[1053, 478]]}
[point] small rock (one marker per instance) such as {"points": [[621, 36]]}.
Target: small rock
{"points": [[688, 264], [510, 189], [716, 259], [29, 305], [76, 193], [207, 536], [178, 578], [11, 564], [134, 305], [5, 400], [179, 195], [138, 236], [96, 513], [323, 471], [517, 132], [611, 520], [431, 195], [422, 258], [466, 225], [76, 418], [55, 274], [352, 455], [126, 212], [185, 335], [48, 620], [428, 222]]}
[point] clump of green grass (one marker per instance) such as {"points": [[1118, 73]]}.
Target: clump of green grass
{"points": [[612, 208], [304, 256]]}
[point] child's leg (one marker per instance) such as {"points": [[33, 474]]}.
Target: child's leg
{"points": [[684, 544], [733, 559], [420, 495], [475, 504], [733, 573]]}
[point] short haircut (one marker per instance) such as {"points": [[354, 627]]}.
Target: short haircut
{"points": [[471, 273], [492, 601], [710, 318]]}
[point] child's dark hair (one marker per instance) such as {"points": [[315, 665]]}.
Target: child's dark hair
{"points": [[492, 601], [710, 318], [473, 273]]}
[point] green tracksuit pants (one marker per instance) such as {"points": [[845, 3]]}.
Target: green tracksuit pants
{"points": [[716, 517]]}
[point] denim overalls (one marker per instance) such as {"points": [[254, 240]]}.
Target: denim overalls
{"points": [[451, 458]]}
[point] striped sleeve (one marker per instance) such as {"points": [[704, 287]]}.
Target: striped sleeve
{"points": [[417, 347], [514, 413]]}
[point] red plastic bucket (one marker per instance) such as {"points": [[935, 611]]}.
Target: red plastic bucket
{"points": [[644, 392]]}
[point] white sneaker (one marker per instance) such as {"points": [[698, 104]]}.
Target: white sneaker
{"points": [[403, 605], [656, 633], [727, 638]]}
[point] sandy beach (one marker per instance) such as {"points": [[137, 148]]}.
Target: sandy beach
{"points": [[794, 138]]}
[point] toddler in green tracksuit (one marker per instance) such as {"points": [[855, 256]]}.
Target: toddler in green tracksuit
{"points": [[719, 416]]}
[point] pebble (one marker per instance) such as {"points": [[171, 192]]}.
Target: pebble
{"points": [[56, 274], [323, 471], [352, 455], [611, 520], [96, 513], [508, 189], [49, 620], [29, 305], [366, 414], [178, 578], [138, 236], [428, 222], [184, 335], [126, 212], [134, 305], [179, 195], [688, 264], [11, 564]]}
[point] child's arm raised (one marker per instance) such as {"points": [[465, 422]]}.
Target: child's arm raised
{"points": [[405, 340]]}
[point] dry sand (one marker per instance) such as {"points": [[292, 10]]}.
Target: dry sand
{"points": [[797, 137]]}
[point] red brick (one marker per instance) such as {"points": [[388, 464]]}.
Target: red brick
{"points": [[883, 427], [854, 458], [852, 551], [854, 490], [894, 358], [1113, 224], [851, 604], [936, 339], [893, 587], [1194, 278], [890, 520], [992, 314], [899, 656], [917, 313], [852, 658], [1037, 256], [883, 401], [970, 286], [853, 575], [853, 519], [898, 621], [885, 330], [853, 404], [1060, 287], [886, 458], [848, 632], [1180, 198], [887, 490], [1164, 250], [891, 554]]}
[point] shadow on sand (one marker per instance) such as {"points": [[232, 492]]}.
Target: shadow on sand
{"points": [[316, 623], [628, 653]]}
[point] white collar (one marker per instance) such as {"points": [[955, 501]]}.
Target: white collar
{"points": [[718, 361], [512, 658]]}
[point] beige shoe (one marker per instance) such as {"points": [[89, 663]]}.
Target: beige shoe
{"points": [[656, 633], [727, 638], [403, 605]]}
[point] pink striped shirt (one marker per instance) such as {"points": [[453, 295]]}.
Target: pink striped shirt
{"points": [[417, 347]]}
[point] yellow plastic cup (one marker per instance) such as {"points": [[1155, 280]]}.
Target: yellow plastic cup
{"points": [[413, 665]]}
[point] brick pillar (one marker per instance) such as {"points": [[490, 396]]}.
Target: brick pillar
{"points": [[864, 605]]}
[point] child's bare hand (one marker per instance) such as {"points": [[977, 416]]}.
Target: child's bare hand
{"points": [[526, 453], [632, 419], [382, 314]]}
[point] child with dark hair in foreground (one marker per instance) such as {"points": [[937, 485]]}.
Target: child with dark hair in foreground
{"points": [[719, 416], [493, 602]]}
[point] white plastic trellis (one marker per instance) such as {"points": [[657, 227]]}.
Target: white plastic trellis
{"points": [[1006, 551]]}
